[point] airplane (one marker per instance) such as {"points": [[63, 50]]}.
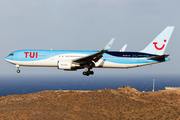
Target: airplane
{"points": [[72, 60]]}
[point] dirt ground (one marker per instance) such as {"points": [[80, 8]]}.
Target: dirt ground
{"points": [[120, 104]]}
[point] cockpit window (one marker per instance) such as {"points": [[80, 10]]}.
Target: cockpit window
{"points": [[11, 54]]}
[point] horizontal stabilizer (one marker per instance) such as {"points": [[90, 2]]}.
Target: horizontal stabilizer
{"points": [[158, 57]]}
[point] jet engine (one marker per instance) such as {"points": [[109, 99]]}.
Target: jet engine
{"points": [[66, 65]]}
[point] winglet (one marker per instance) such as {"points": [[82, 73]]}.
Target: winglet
{"points": [[95, 57], [123, 48], [108, 46]]}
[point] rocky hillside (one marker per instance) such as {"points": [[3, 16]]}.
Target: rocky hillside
{"points": [[123, 103]]}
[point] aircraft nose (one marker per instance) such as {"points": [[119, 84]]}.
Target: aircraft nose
{"points": [[7, 58]]}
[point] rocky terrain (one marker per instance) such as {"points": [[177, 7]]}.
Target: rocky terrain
{"points": [[122, 103]]}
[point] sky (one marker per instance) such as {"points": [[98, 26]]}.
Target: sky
{"points": [[87, 25]]}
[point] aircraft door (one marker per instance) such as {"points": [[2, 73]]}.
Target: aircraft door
{"points": [[52, 56], [21, 56]]}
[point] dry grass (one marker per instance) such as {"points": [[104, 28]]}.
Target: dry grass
{"points": [[123, 103]]}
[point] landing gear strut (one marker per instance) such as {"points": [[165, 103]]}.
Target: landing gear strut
{"points": [[17, 66], [87, 72]]}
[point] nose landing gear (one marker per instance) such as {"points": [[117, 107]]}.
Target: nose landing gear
{"points": [[18, 71], [17, 66]]}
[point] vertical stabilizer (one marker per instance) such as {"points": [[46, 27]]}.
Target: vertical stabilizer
{"points": [[159, 44]]}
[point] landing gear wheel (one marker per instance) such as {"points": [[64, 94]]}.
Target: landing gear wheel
{"points": [[84, 73], [18, 71], [87, 73], [91, 72]]}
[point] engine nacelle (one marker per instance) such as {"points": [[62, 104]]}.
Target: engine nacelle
{"points": [[66, 65]]}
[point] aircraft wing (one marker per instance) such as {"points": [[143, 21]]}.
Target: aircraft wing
{"points": [[95, 57], [158, 57]]}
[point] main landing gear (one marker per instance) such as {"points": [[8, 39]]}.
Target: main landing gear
{"points": [[17, 66], [87, 72]]}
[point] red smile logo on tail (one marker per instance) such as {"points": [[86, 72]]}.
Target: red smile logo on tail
{"points": [[155, 44]]}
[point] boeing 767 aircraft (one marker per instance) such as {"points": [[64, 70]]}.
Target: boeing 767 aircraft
{"points": [[72, 60]]}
